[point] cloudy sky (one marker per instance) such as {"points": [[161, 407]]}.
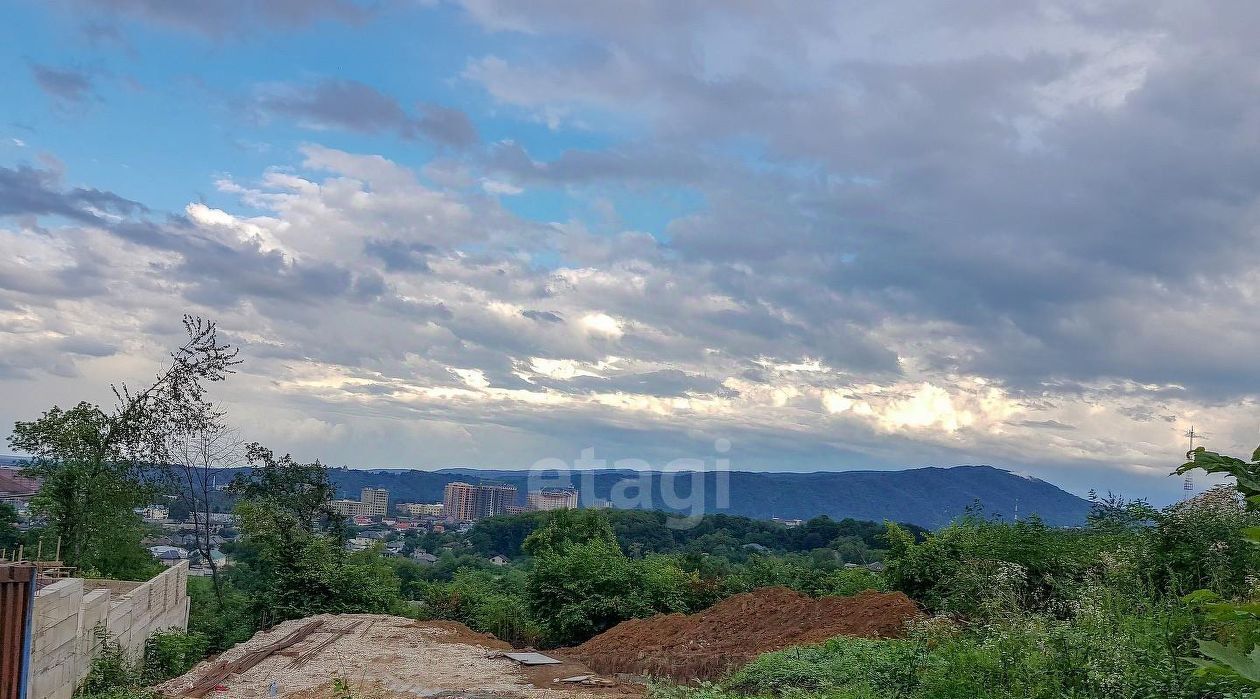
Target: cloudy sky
{"points": [[840, 235]]}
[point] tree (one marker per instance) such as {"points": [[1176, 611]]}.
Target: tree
{"points": [[292, 561], [582, 583], [565, 528], [97, 465], [198, 460], [9, 534]]}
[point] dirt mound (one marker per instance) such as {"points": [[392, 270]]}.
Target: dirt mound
{"points": [[707, 644]]}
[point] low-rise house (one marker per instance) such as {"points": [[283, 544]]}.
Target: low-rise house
{"points": [[16, 488], [499, 560], [153, 513], [424, 558], [394, 548], [168, 555]]}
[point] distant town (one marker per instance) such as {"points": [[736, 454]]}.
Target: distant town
{"points": [[372, 518]]}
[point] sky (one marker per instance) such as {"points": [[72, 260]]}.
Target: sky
{"points": [[819, 235]]}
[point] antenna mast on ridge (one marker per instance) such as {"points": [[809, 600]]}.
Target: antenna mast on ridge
{"points": [[1187, 486]]}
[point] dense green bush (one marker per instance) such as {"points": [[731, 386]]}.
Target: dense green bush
{"points": [[979, 568], [170, 654], [114, 674], [222, 623], [820, 572], [485, 601]]}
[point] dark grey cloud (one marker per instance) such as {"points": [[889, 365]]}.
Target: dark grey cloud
{"points": [[641, 164], [400, 255], [25, 190], [446, 125], [86, 346], [1035, 201], [543, 316], [355, 106], [222, 274], [1047, 424], [66, 86]]}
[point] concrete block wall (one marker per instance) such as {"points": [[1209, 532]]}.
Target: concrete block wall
{"points": [[69, 613]]}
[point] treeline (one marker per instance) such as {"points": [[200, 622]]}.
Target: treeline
{"points": [[640, 532], [580, 572]]}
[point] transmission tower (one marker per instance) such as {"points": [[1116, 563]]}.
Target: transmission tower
{"points": [[1187, 486]]}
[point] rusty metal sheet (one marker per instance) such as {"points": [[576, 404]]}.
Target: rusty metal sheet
{"points": [[17, 601]]}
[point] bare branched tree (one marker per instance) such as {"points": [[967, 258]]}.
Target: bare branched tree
{"points": [[175, 403], [198, 461]]}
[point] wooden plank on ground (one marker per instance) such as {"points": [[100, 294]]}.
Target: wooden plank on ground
{"points": [[223, 669]]}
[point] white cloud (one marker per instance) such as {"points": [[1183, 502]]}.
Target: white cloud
{"points": [[602, 324], [499, 187]]}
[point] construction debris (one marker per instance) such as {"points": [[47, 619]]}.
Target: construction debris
{"points": [[710, 643], [385, 657], [212, 678], [587, 681], [531, 658]]}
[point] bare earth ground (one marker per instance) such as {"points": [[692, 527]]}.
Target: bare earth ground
{"points": [[388, 656], [709, 643]]}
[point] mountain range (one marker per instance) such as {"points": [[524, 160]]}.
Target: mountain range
{"points": [[930, 497]]}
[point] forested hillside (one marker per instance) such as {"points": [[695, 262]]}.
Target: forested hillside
{"points": [[928, 497]]}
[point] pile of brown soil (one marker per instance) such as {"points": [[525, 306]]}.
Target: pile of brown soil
{"points": [[708, 644]]}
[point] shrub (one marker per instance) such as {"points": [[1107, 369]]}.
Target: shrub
{"points": [[850, 581], [112, 670], [224, 623], [839, 665], [169, 654], [484, 602], [1104, 652]]}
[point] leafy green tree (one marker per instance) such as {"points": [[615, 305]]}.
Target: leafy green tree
{"points": [[980, 568], [9, 534], [582, 583], [486, 601], [291, 559], [504, 534], [565, 528], [98, 465], [583, 589], [224, 619], [87, 495]]}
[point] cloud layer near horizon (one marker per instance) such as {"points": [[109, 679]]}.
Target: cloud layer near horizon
{"points": [[1019, 234]]}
